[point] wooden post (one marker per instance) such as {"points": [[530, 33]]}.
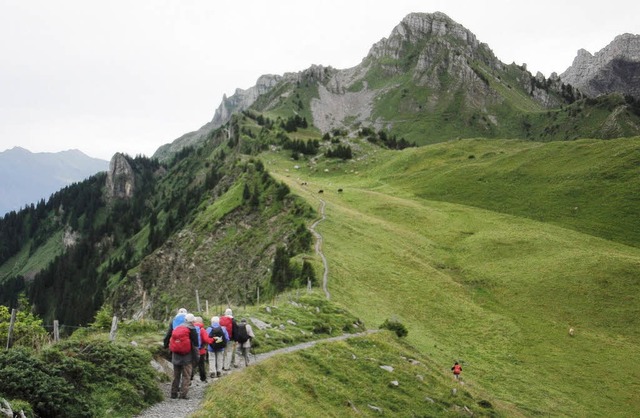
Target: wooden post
{"points": [[198, 301], [114, 328], [258, 296], [10, 333], [144, 302], [206, 303], [56, 331]]}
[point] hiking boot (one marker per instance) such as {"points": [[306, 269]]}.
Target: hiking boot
{"points": [[184, 397], [219, 374], [174, 396], [213, 375]]}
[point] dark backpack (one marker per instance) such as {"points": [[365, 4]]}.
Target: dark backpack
{"points": [[242, 335], [180, 341], [218, 338]]}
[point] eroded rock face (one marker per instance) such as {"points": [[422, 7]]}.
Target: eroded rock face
{"points": [[242, 99], [120, 178], [613, 69]]}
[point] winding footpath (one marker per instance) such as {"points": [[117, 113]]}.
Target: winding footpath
{"points": [[325, 275], [180, 408]]}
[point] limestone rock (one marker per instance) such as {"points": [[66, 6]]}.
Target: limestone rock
{"points": [[120, 178], [613, 69]]}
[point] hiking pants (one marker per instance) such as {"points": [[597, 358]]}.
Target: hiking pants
{"points": [[181, 380], [229, 355], [201, 369], [218, 357], [245, 354]]}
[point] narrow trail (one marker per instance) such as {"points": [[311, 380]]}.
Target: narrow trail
{"points": [[180, 408], [312, 228]]}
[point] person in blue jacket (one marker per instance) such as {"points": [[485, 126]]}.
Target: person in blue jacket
{"points": [[220, 338]]}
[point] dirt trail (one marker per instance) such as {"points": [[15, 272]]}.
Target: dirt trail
{"points": [[180, 408], [325, 274]]}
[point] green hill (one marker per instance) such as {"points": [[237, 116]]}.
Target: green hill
{"points": [[496, 276]]}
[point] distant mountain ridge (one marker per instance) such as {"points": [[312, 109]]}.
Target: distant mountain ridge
{"points": [[613, 69], [432, 72], [27, 177]]}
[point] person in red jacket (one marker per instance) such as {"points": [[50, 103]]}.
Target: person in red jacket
{"points": [[229, 322], [205, 340], [457, 369]]}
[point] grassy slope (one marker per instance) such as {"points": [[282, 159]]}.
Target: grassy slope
{"points": [[494, 290], [327, 380]]}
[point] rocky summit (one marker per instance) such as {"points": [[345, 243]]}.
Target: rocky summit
{"points": [[613, 69]]}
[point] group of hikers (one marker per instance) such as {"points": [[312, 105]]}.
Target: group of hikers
{"points": [[194, 347]]}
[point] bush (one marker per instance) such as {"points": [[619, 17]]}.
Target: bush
{"points": [[80, 379], [28, 330], [395, 326], [28, 378]]}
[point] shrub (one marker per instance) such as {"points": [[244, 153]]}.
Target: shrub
{"points": [[28, 330], [395, 326], [28, 378], [78, 379]]}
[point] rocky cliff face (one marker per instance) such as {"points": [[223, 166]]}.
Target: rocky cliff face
{"points": [[614, 69], [242, 99], [120, 178], [238, 102]]}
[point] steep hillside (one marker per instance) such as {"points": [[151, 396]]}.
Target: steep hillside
{"points": [[146, 235]]}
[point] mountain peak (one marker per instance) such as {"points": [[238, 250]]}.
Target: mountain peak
{"points": [[416, 27]]}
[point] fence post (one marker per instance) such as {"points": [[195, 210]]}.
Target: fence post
{"points": [[206, 303], [198, 301], [10, 333], [144, 302], [56, 331], [114, 328]]}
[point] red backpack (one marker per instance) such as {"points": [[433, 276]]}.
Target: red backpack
{"points": [[180, 341]]}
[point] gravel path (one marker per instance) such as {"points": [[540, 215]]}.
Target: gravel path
{"points": [[180, 408]]}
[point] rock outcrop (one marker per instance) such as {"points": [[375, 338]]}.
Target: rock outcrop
{"points": [[242, 99], [613, 69], [120, 178]]}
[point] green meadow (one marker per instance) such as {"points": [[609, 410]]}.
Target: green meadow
{"points": [[489, 251]]}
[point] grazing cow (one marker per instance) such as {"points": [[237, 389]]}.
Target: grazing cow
{"points": [[320, 191], [571, 332], [339, 190]]}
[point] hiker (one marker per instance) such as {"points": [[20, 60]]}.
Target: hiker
{"points": [[457, 369], [203, 341], [244, 335], [183, 344], [219, 338], [175, 322], [230, 324]]}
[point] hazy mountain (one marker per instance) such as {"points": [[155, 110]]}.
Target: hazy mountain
{"points": [[613, 69], [27, 177]]}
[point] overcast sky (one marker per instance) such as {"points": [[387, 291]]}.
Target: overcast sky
{"points": [[129, 76]]}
